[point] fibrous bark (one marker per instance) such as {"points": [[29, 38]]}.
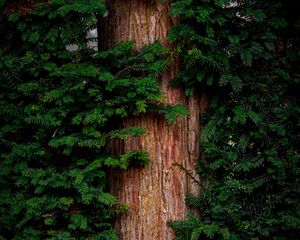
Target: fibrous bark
{"points": [[156, 193]]}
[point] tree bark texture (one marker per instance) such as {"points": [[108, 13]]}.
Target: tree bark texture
{"points": [[155, 193]]}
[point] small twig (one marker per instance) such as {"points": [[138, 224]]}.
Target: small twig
{"points": [[187, 172]]}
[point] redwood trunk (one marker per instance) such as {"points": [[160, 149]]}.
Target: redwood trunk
{"points": [[155, 194]]}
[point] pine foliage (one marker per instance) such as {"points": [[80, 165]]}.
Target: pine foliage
{"points": [[246, 55], [59, 108]]}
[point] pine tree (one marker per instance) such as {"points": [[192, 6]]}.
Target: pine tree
{"points": [[58, 105], [79, 127], [155, 194], [245, 53]]}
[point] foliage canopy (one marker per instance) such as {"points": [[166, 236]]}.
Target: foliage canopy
{"points": [[57, 108], [246, 53]]}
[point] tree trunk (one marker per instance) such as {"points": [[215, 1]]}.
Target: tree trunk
{"points": [[156, 193]]}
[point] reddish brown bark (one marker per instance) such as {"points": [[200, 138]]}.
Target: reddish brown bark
{"points": [[22, 6], [155, 194]]}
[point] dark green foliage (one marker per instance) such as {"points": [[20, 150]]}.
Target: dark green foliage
{"points": [[246, 53], [59, 109]]}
